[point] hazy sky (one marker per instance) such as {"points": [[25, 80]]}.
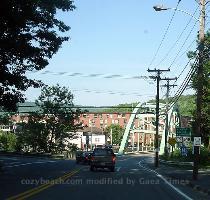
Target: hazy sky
{"points": [[120, 37]]}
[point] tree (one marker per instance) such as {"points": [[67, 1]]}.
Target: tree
{"points": [[117, 133], [205, 126], [8, 141], [61, 119], [28, 39], [33, 134]]}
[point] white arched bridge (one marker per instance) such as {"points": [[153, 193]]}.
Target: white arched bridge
{"points": [[141, 127]]}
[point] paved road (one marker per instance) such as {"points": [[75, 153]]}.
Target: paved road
{"points": [[29, 178]]}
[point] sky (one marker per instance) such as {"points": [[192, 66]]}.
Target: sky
{"points": [[123, 38]]}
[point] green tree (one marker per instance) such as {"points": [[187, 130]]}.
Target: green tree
{"points": [[33, 134], [61, 119], [8, 141], [117, 133], [205, 126], [29, 37]]}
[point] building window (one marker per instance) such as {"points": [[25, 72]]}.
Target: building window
{"points": [[97, 139], [84, 115], [95, 115]]}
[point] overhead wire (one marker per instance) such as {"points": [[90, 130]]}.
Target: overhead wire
{"points": [[179, 37], [177, 54], [93, 75], [112, 92], [184, 83]]}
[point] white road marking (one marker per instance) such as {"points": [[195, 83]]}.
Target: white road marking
{"points": [[11, 163], [23, 164], [5, 158], [161, 177], [118, 169]]}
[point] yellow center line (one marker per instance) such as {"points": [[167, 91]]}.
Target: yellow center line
{"points": [[42, 187]]}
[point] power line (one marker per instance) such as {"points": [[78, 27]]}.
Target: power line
{"points": [[94, 75], [183, 85], [176, 42], [111, 92], [182, 45], [164, 36]]}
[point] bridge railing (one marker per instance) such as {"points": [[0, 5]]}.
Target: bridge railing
{"points": [[141, 149]]}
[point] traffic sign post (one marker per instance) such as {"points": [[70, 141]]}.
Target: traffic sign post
{"points": [[187, 141], [197, 141], [183, 132], [184, 150]]}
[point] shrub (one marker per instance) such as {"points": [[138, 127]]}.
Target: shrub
{"points": [[8, 141]]}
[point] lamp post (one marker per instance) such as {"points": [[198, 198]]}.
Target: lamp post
{"points": [[199, 76]]}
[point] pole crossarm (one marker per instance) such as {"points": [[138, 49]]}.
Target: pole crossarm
{"points": [[158, 79]]}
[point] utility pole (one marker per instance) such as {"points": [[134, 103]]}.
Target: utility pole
{"points": [[157, 77], [167, 109], [199, 88]]}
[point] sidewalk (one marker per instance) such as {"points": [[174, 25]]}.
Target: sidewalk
{"points": [[184, 176]]}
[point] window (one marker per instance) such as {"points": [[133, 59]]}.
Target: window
{"points": [[95, 115], [123, 115]]}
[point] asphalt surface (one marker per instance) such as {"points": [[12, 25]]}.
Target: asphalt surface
{"points": [[36, 178]]}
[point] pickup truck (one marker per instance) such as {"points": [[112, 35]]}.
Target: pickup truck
{"points": [[103, 158]]}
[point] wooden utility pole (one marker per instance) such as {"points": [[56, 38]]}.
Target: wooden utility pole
{"points": [[167, 109], [157, 77], [199, 101]]}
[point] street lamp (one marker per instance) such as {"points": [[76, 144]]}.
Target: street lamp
{"points": [[199, 76], [159, 8]]}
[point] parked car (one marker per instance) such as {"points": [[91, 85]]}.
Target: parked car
{"points": [[79, 156], [86, 157], [103, 158]]}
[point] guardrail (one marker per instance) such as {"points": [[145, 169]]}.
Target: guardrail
{"points": [[141, 149]]}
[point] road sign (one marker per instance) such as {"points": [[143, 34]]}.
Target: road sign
{"points": [[186, 141], [197, 141], [183, 132], [172, 141], [184, 150], [179, 139]]}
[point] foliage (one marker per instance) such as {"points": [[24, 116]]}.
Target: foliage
{"points": [[5, 119], [127, 107], [117, 133], [205, 105], [60, 118], [33, 134], [8, 141], [186, 105], [28, 39], [204, 156]]}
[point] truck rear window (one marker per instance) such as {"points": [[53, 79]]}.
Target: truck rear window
{"points": [[103, 152]]}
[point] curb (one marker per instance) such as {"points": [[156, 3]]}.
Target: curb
{"points": [[176, 163], [199, 188], [194, 186]]}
